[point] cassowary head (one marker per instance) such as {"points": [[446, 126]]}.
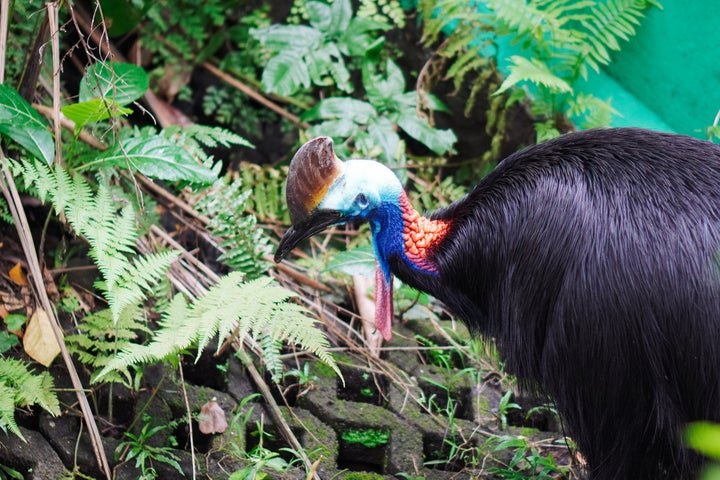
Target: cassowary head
{"points": [[322, 190]]}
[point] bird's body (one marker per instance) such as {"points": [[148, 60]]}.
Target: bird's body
{"points": [[594, 262]]}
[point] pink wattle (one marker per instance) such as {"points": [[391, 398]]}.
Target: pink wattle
{"points": [[383, 303]]}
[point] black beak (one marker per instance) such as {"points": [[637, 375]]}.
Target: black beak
{"points": [[318, 221]]}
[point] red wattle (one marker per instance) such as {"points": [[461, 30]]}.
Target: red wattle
{"points": [[383, 303]]}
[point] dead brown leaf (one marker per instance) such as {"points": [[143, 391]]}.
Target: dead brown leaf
{"points": [[39, 341], [17, 275]]}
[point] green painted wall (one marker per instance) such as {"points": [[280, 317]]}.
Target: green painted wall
{"points": [[672, 67]]}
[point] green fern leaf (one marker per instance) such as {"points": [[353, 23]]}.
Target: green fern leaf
{"points": [[136, 279], [257, 308], [535, 71], [21, 387], [7, 410], [109, 227]]}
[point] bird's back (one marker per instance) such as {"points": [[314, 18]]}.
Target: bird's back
{"points": [[593, 260]]}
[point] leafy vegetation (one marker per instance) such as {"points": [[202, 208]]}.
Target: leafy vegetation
{"points": [[139, 448], [245, 245], [558, 43], [21, 387]]}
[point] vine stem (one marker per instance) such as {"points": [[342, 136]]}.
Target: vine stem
{"points": [[189, 417], [230, 80], [53, 22]]}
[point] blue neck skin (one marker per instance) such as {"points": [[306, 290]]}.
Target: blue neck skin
{"points": [[387, 226]]}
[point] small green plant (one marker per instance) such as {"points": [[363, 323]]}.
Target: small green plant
{"points": [[323, 54], [14, 322], [369, 438], [372, 125], [439, 357], [303, 375], [526, 462], [8, 473], [305, 55], [137, 447], [260, 458], [504, 407]]}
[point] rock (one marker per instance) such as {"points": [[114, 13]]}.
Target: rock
{"points": [[33, 459]]}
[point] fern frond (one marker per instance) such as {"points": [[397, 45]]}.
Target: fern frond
{"points": [[137, 279], [109, 226], [7, 410], [176, 333], [100, 338], [21, 387], [270, 347], [243, 242], [257, 308], [534, 71], [214, 136], [589, 111], [610, 21], [267, 200]]}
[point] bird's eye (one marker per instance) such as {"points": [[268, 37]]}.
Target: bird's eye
{"points": [[361, 200]]}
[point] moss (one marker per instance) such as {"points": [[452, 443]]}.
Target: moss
{"points": [[369, 438], [323, 370], [363, 476]]}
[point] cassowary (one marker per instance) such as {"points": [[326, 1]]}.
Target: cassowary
{"points": [[594, 261]]}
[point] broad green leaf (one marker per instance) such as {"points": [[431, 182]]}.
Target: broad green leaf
{"points": [[15, 321], [319, 15], [342, 128], [157, 157], [7, 341], [122, 82], [439, 141], [342, 107], [382, 134], [341, 15], [24, 125], [285, 74], [93, 110], [121, 16], [429, 101], [360, 37], [383, 89], [358, 261], [326, 66], [281, 38]]}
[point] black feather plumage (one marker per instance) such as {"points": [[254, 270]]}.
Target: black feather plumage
{"points": [[592, 259]]}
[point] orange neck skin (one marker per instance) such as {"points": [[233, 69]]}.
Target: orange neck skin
{"points": [[420, 234]]}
